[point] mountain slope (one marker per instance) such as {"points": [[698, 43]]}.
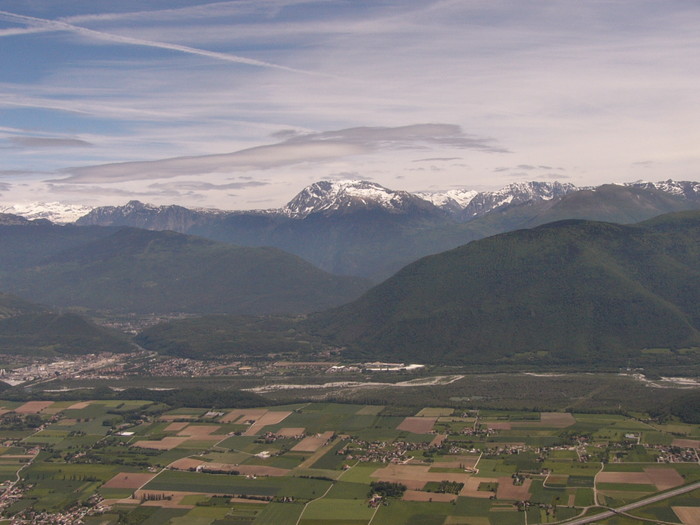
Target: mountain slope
{"points": [[575, 291], [147, 271], [12, 306], [29, 329], [215, 336], [23, 245]]}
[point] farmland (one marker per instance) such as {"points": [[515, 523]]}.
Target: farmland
{"points": [[110, 462]]}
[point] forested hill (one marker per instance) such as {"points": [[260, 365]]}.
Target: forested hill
{"points": [[145, 271], [566, 292], [29, 329]]}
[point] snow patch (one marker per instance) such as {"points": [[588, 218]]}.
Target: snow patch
{"points": [[55, 212]]}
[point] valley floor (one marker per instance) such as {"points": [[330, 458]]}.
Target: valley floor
{"points": [[140, 462], [285, 381]]}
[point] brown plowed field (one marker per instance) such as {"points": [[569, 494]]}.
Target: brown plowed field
{"points": [[129, 480], [313, 443], [167, 443], [437, 412], [498, 425], [186, 463], [549, 420], [199, 431], [80, 405], [640, 478], [506, 489], [127, 501], [242, 415], [471, 488], [33, 407], [686, 443], [417, 425], [419, 495], [557, 419], [664, 478], [688, 515], [269, 418], [176, 427], [290, 432], [437, 440], [416, 476], [557, 479], [244, 500]]}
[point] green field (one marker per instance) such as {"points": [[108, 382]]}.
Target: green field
{"points": [[338, 509], [79, 453]]}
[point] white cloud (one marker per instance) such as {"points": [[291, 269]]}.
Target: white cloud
{"points": [[312, 147], [590, 86], [205, 186], [48, 142], [263, 157], [207, 10]]}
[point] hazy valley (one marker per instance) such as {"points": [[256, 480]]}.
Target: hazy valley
{"points": [[538, 302]]}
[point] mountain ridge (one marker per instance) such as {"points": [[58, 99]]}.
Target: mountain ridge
{"points": [[361, 228], [570, 291], [342, 195], [137, 270]]}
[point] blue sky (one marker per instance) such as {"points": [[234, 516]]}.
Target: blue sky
{"points": [[240, 104]]}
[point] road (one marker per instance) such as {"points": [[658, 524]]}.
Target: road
{"points": [[631, 506]]}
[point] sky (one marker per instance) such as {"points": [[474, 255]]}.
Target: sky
{"points": [[240, 104]]}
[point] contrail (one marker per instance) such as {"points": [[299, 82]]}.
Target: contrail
{"points": [[188, 10], [76, 107], [202, 10], [56, 25], [22, 31]]}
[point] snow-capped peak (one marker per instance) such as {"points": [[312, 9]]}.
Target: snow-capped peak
{"points": [[342, 195], [687, 189], [470, 204], [56, 212], [450, 199]]}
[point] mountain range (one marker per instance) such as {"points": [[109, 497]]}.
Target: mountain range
{"points": [[363, 229], [568, 291], [349, 196], [143, 271]]}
